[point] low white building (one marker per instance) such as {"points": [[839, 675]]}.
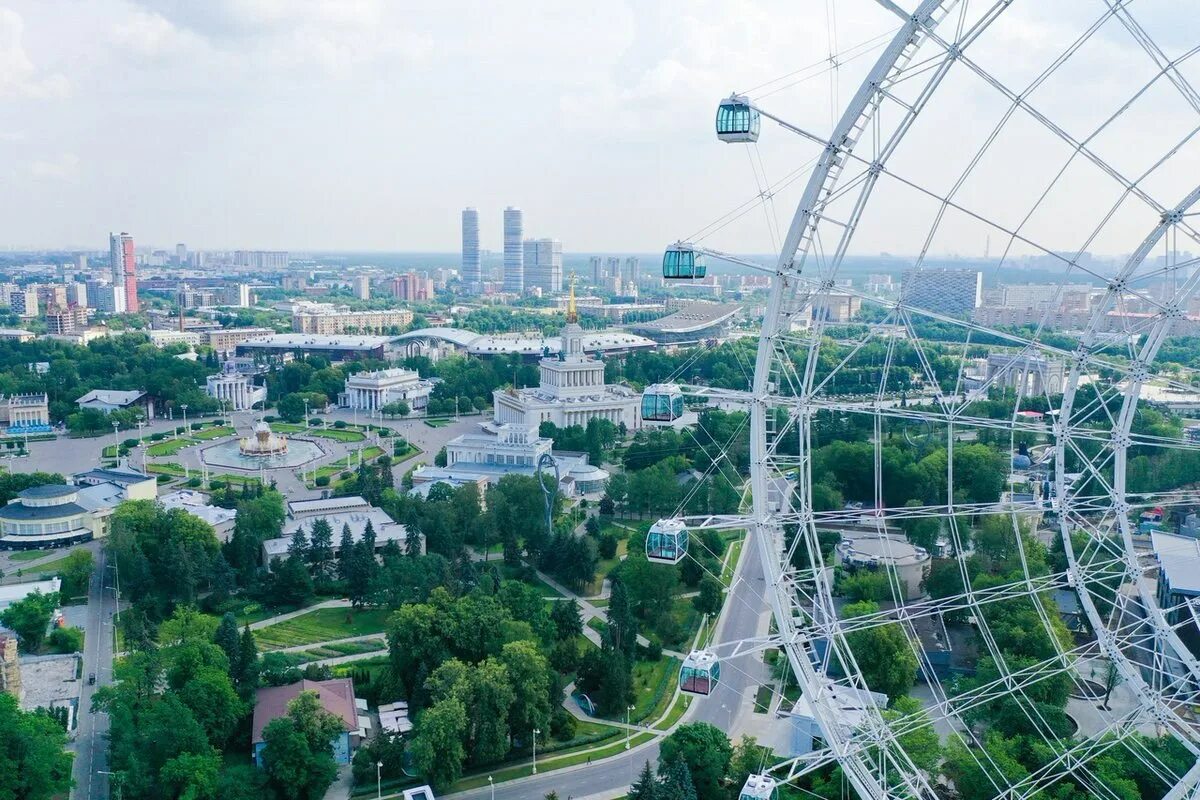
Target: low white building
{"points": [[371, 391], [235, 388], [340, 512], [110, 400], [196, 503], [514, 445]]}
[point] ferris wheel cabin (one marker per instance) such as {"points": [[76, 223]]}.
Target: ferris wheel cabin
{"points": [[700, 673], [666, 542], [759, 787], [662, 403], [737, 120], [683, 264]]}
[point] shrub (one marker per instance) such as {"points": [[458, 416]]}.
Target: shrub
{"points": [[194, 483], [385, 432], [346, 475], [130, 443], [216, 485], [562, 725], [314, 421], [341, 423], [196, 426], [270, 418], [157, 437], [164, 479], [180, 430], [218, 422], [607, 546], [66, 640], [322, 480]]}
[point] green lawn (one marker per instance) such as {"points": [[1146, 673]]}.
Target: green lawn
{"points": [[406, 453], [168, 448], [28, 555], [287, 427], [320, 626], [605, 566], [731, 564], [49, 568], [169, 468], [682, 702], [513, 573], [336, 434], [251, 612], [762, 699], [437, 423], [344, 649], [349, 462], [211, 433], [649, 679], [551, 762]]}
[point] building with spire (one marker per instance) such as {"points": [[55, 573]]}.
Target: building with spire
{"points": [[571, 391]]}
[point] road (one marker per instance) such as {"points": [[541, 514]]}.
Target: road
{"points": [[725, 708], [91, 740]]}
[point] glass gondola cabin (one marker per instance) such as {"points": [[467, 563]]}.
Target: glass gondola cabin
{"points": [[700, 673], [759, 787], [666, 542], [683, 264], [662, 403], [737, 120]]}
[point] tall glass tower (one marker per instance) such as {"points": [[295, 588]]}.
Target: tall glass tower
{"points": [[472, 270], [514, 263]]}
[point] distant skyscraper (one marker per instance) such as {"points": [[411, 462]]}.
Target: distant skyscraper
{"points": [[472, 268], [180, 254], [597, 268], [124, 272], [543, 264], [633, 270], [514, 265], [614, 267]]}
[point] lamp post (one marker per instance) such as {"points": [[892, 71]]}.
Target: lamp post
{"points": [[378, 779], [535, 735], [628, 730], [183, 407], [306, 413], [116, 442], [492, 786], [116, 783], [142, 444]]}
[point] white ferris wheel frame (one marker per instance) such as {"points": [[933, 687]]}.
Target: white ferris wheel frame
{"points": [[802, 607]]}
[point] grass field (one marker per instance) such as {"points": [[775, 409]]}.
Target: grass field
{"points": [[49, 568], [321, 626], [336, 434], [605, 566], [168, 448], [211, 433], [344, 649], [28, 555], [165, 469], [437, 423], [648, 676], [762, 699]]}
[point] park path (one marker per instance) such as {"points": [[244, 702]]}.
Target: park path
{"points": [[263, 623]]}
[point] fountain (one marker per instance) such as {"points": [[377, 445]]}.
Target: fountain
{"points": [[265, 443]]}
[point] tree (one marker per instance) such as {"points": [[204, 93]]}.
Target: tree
{"points": [[646, 786], [247, 679], [298, 546], [30, 617], [705, 750], [528, 675], [437, 744], [76, 573], [228, 639], [567, 620], [622, 625], [34, 762], [320, 552], [360, 570], [921, 742], [883, 653], [291, 585], [710, 598], [677, 782], [345, 552], [491, 699], [298, 753]]}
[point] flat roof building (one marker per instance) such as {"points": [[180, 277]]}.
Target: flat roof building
{"points": [[371, 391]]}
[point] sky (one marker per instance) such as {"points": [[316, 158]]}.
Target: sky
{"points": [[369, 124]]}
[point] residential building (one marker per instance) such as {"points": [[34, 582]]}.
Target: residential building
{"points": [[571, 391], [371, 391], [542, 260], [180, 254], [613, 269], [16, 335], [61, 320], [514, 265], [360, 285], [472, 266], [953, 292], [295, 283], [103, 296], [51, 294], [596, 268], [122, 262], [336, 697], [25, 413], [353, 512], [386, 321], [411, 287], [162, 338], [110, 400], [633, 270], [77, 294], [236, 294], [226, 340], [24, 303], [261, 259], [234, 388]]}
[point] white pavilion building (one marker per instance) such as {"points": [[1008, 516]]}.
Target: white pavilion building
{"points": [[572, 390]]}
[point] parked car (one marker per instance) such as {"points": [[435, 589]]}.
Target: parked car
{"points": [[91, 678]]}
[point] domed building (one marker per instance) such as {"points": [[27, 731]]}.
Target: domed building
{"points": [[47, 516]]}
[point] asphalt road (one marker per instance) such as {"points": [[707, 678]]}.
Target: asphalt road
{"points": [[91, 742], [724, 708]]}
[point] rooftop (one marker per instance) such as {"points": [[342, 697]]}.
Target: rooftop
{"points": [[1179, 557], [874, 546], [692, 318], [46, 492], [503, 344], [336, 696], [111, 397], [316, 341]]}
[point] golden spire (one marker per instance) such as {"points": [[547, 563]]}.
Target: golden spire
{"points": [[572, 315]]}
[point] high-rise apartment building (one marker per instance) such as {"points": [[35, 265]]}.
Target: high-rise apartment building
{"points": [[514, 265], [633, 270], [77, 294], [24, 302], [543, 264], [103, 296], [51, 294], [361, 285], [613, 269], [261, 259], [412, 287], [596, 266], [123, 264], [180, 254], [472, 267], [944, 291]]}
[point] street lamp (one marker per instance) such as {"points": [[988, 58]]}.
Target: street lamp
{"points": [[535, 735], [628, 730], [185, 427], [492, 786], [306, 413], [117, 783], [378, 779], [116, 441]]}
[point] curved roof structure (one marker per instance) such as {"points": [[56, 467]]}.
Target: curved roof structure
{"points": [[692, 318], [491, 344]]}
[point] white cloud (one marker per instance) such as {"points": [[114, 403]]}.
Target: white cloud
{"points": [[63, 167], [19, 77]]}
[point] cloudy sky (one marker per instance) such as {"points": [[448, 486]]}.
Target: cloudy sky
{"points": [[369, 124]]}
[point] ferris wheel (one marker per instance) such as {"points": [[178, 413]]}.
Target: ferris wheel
{"points": [[1062, 577]]}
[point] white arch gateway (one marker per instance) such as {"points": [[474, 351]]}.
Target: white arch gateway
{"points": [[1051, 175]]}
